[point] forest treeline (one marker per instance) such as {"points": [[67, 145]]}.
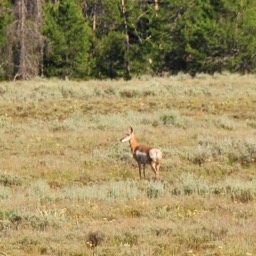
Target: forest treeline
{"points": [[83, 39]]}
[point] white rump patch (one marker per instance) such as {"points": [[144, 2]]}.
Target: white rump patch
{"points": [[155, 154]]}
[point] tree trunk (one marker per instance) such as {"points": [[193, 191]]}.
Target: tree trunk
{"points": [[94, 17], [156, 5], [127, 41], [39, 22], [27, 41], [22, 37]]}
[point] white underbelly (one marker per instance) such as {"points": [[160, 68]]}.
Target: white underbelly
{"points": [[141, 157]]}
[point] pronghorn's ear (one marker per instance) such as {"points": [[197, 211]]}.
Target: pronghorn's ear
{"points": [[130, 130]]}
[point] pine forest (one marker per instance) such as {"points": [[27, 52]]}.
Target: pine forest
{"points": [[85, 39]]}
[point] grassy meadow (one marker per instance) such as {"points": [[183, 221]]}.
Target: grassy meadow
{"points": [[69, 187]]}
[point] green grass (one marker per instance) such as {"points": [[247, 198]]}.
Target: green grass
{"points": [[69, 187]]}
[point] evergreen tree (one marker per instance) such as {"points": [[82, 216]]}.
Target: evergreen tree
{"points": [[141, 20], [110, 56], [110, 50], [5, 20], [208, 35], [67, 52], [109, 21], [156, 29], [244, 59]]}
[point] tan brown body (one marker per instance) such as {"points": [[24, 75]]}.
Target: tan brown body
{"points": [[143, 154]]}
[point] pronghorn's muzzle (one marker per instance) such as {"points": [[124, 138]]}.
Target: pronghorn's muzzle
{"points": [[125, 138]]}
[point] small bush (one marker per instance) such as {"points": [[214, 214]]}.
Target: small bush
{"points": [[130, 238], [241, 191], [9, 218], [191, 185], [10, 180], [252, 123], [225, 122], [173, 118], [201, 155], [41, 191], [95, 239], [67, 92], [110, 91], [38, 221], [243, 152], [156, 189], [129, 94], [147, 93], [229, 149]]}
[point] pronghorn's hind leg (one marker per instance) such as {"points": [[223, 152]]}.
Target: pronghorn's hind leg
{"points": [[155, 156], [153, 166], [157, 169]]}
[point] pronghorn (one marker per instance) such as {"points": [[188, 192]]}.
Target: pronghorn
{"points": [[143, 154]]}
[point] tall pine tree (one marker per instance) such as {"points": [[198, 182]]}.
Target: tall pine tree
{"points": [[69, 44]]}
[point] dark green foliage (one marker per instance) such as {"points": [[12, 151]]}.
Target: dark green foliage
{"points": [[114, 39], [202, 37], [246, 57], [10, 180], [5, 20], [69, 41], [110, 59]]}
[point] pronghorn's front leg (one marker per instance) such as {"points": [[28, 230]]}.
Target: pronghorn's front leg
{"points": [[144, 171], [139, 169]]}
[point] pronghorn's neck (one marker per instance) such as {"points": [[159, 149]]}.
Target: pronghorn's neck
{"points": [[133, 143], [132, 140]]}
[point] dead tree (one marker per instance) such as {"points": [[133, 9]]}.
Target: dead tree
{"points": [[26, 40]]}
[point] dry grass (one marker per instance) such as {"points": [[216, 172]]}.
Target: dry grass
{"points": [[68, 187]]}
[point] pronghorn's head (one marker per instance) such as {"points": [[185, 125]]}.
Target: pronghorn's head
{"points": [[128, 136]]}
